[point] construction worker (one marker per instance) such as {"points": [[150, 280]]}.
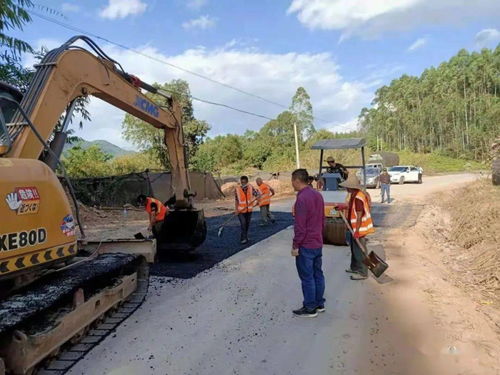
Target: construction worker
{"points": [[359, 218], [385, 185], [156, 211], [266, 192], [334, 167], [245, 199]]}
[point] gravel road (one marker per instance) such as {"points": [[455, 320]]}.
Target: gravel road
{"points": [[235, 318]]}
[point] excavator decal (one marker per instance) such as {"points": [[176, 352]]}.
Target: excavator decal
{"points": [[18, 240], [147, 106], [24, 200]]}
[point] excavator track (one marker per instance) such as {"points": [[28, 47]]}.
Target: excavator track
{"points": [[51, 326]]}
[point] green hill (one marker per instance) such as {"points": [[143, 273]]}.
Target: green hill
{"points": [[105, 146]]}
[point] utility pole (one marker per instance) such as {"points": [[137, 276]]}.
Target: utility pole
{"points": [[297, 157]]}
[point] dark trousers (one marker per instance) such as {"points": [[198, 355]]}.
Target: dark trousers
{"points": [[308, 264], [245, 219], [265, 214], [156, 229], [357, 257]]}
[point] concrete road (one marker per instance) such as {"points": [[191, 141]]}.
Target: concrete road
{"points": [[237, 317]]}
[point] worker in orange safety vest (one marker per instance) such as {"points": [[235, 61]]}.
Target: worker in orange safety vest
{"points": [[246, 198], [359, 218], [156, 211], [266, 192]]}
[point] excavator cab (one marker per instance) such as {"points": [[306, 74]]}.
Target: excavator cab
{"points": [[9, 96]]}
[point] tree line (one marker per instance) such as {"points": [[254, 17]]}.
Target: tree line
{"points": [[453, 109]]}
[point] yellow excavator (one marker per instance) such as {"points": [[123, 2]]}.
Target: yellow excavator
{"points": [[52, 290]]}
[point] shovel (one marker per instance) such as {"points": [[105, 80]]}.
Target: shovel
{"points": [[374, 263], [221, 229]]}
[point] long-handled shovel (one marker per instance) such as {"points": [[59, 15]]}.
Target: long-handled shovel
{"points": [[221, 228], [374, 263]]}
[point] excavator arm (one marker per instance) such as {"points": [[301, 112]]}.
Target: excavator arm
{"points": [[69, 72]]}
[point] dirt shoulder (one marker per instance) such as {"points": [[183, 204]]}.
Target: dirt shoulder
{"points": [[447, 260], [466, 222]]}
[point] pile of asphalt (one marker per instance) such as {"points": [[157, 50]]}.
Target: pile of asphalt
{"points": [[58, 288], [215, 249]]}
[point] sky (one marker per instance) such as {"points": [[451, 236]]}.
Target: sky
{"points": [[340, 51]]}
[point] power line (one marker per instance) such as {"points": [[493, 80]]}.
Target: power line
{"points": [[230, 107], [74, 28], [82, 31]]}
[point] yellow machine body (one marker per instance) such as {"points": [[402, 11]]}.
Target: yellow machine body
{"points": [[37, 226]]}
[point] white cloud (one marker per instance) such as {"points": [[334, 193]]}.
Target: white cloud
{"points": [[370, 18], [272, 75], [487, 38], [196, 4], [202, 22], [122, 8], [344, 127], [419, 43], [70, 7]]}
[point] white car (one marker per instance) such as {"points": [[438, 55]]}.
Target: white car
{"points": [[405, 173]]}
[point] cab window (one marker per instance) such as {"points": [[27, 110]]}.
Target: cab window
{"points": [[7, 109]]}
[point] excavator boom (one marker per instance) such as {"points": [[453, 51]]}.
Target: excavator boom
{"points": [[66, 73]]}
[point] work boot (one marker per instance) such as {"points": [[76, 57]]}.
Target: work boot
{"points": [[304, 312], [358, 276]]}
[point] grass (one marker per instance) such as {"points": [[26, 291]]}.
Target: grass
{"points": [[434, 163], [431, 163]]}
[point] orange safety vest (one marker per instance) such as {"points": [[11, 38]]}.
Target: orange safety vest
{"points": [[245, 203], [265, 198], [366, 221], [162, 209]]}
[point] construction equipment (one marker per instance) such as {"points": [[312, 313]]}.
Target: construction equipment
{"points": [[333, 193], [383, 159], [74, 286]]}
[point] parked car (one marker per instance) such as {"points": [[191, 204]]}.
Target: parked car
{"points": [[405, 173], [372, 177]]}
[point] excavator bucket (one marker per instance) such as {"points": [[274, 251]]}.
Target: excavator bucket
{"points": [[183, 229]]}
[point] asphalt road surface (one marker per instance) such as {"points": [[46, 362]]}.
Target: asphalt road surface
{"points": [[236, 317]]}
